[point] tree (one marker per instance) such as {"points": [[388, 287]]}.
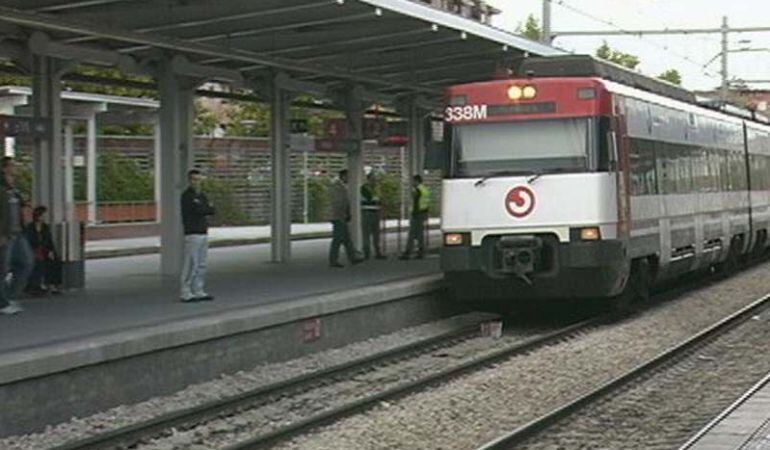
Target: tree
{"points": [[248, 119], [607, 53], [672, 76], [531, 29]]}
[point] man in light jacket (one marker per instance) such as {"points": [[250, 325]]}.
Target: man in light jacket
{"points": [[340, 217]]}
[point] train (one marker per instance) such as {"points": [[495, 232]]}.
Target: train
{"points": [[577, 179]]}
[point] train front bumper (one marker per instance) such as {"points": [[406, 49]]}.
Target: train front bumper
{"points": [[500, 268]]}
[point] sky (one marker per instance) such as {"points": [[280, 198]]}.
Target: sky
{"points": [[688, 54]]}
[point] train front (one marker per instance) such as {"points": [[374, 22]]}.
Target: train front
{"points": [[530, 206]]}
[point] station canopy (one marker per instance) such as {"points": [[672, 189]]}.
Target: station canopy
{"points": [[390, 46]]}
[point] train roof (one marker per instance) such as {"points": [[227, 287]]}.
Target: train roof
{"points": [[588, 66]]}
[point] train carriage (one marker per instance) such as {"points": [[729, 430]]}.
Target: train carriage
{"points": [[583, 180]]}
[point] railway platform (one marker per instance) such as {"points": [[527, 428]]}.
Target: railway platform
{"points": [[744, 425], [127, 336]]}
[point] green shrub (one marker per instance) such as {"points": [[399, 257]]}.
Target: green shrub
{"points": [[221, 194], [120, 179], [319, 198], [389, 190]]}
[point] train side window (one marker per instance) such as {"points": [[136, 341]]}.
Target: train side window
{"points": [[715, 171], [666, 168], [724, 170], [700, 170], [684, 176], [642, 161]]}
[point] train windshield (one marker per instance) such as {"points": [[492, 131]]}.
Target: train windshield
{"points": [[540, 146]]}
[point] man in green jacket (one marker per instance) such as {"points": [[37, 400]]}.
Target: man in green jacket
{"points": [[420, 208]]}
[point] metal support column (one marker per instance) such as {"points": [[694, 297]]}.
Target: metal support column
{"points": [[177, 157], [725, 86], [354, 110], [280, 163], [49, 163], [546, 36], [47, 157], [91, 145], [415, 133]]}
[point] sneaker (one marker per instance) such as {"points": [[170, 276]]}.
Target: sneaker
{"points": [[188, 299], [11, 309], [204, 298]]}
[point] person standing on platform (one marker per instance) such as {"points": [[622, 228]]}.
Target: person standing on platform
{"points": [[340, 219], [420, 208], [195, 212], [370, 217], [15, 254], [47, 273]]}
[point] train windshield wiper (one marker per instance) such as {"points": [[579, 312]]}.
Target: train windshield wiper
{"points": [[537, 175], [501, 173]]}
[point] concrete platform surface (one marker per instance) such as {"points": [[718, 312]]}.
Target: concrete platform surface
{"points": [[126, 293], [745, 425]]}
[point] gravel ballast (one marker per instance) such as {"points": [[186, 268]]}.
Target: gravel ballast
{"points": [[228, 385], [475, 409], [663, 411]]}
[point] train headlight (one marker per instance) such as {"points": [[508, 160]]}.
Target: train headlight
{"points": [[456, 239], [515, 92], [587, 233], [529, 92]]}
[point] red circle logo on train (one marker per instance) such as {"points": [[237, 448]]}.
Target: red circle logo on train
{"points": [[520, 201]]}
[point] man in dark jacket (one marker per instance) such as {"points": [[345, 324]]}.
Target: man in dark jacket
{"points": [[340, 218], [195, 212], [47, 273], [370, 217], [15, 253]]}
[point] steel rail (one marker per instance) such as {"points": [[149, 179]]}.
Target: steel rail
{"points": [[727, 411], [191, 416], [540, 424], [401, 390]]}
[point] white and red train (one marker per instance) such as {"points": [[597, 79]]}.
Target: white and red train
{"points": [[567, 184]]}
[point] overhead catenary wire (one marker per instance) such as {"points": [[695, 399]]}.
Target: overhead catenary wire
{"points": [[563, 4]]}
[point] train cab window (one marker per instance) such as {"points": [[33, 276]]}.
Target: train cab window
{"points": [[563, 145]]}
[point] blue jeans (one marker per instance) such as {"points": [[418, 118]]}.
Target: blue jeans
{"points": [[196, 248], [18, 260]]}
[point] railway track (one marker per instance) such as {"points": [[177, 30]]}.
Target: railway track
{"points": [[541, 425], [185, 419]]}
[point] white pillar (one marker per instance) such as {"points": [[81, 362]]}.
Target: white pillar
{"points": [[305, 187], [91, 145], [176, 158], [69, 172], [156, 167], [280, 163], [355, 116]]}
